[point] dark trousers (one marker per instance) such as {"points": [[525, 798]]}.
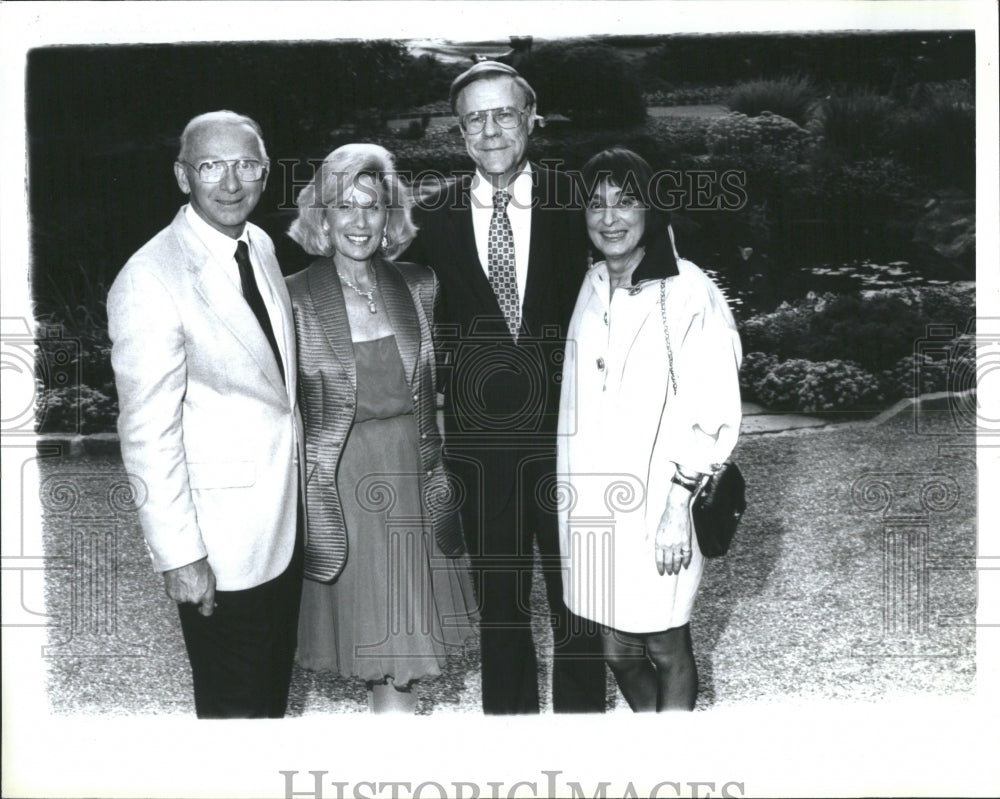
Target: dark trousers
{"points": [[502, 564], [241, 656]]}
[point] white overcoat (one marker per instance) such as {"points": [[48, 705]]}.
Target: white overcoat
{"points": [[622, 430]]}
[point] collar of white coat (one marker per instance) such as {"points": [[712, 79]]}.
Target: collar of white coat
{"points": [[599, 279]]}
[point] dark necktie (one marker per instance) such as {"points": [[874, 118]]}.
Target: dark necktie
{"points": [[501, 266], [252, 295]]}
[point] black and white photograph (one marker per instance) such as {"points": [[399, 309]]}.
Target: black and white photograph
{"points": [[481, 399]]}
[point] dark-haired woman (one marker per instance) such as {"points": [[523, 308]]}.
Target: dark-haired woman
{"points": [[650, 403]]}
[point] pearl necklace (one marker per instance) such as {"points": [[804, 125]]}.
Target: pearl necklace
{"points": [[368, 295]]}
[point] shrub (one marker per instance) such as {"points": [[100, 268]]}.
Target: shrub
{"points": [[667, 143], [753, 370], [864, 203], [772, 155], [947, 304], [74, 378], [779, 388], [589, 82], [740, 135], [939, 141], [413, 130], [437, 150], [688, 95], [818, 387], [903, 379], [869, 184], [875, 330], [859, 124], [951, 368], [789, 97], [777, 332], [75, 409], [679, 136], [842, 56], [836, 386], [769, 149]]}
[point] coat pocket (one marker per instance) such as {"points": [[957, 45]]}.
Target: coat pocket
{"points": [[222, 474]]}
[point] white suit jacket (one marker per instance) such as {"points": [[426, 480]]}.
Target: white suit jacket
{"points": [[210, 434]]}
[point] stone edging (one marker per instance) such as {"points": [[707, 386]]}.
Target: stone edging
{"points": [[77, 444], [942, 401]]}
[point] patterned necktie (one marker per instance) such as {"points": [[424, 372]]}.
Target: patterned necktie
{"points": [[503, 275], [252, 295]]}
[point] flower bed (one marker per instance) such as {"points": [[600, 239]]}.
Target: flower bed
{"points": [[829, 353]]}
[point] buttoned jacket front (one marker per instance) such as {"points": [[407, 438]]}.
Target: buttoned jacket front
{"points": [[626, 423]]}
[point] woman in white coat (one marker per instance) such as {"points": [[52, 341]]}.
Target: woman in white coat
{"points": [[650, 403]]}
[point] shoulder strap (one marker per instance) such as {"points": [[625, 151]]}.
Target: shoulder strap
{"points": [[666, 332]]}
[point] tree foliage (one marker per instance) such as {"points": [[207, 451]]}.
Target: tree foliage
{"points": [[875, 59], [590, 83]]}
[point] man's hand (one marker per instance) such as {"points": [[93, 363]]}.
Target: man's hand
{"points": [[192, 583]]}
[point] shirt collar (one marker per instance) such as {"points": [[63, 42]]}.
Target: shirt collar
{"points": [[520, 189], [219, 244]]}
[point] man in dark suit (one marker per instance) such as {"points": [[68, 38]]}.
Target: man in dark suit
{"points": [[508, 244], [203, 349]]}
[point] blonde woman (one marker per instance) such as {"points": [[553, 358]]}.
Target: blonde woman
{"points": [[386, 592]]}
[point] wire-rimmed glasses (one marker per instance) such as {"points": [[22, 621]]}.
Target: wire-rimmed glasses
{"points": [[248, 170], [505, 116]]}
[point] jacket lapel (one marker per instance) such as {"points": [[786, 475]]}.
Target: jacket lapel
{"points": [[328, 302], [226, 301], [399, 304], [539, 253], [464, 235], [276, 283]]}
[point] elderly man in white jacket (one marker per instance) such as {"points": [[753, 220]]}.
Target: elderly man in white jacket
{"points": [[204, 359]]}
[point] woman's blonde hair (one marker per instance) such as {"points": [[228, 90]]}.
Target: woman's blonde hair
{"points": [[339, 171]]}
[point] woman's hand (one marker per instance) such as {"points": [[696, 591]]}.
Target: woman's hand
{"points": [[673, 533]]}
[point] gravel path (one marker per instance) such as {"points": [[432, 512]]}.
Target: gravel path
{"points": [[801, 608]]}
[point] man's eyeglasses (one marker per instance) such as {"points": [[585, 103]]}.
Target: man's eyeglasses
{"points": [[246, 169], [506, 117]]}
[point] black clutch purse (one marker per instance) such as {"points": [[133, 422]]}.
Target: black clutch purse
{"points": [[720, 499], [716, 508]]}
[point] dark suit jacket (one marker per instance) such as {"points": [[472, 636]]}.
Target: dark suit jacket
{"points": [[328, 398], [501, 397]]}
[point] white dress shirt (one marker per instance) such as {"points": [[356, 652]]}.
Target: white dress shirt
{"points": [[223, 250], [519, 214]]}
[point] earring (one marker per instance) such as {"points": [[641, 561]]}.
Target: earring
{"points": [[385, 240]]}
